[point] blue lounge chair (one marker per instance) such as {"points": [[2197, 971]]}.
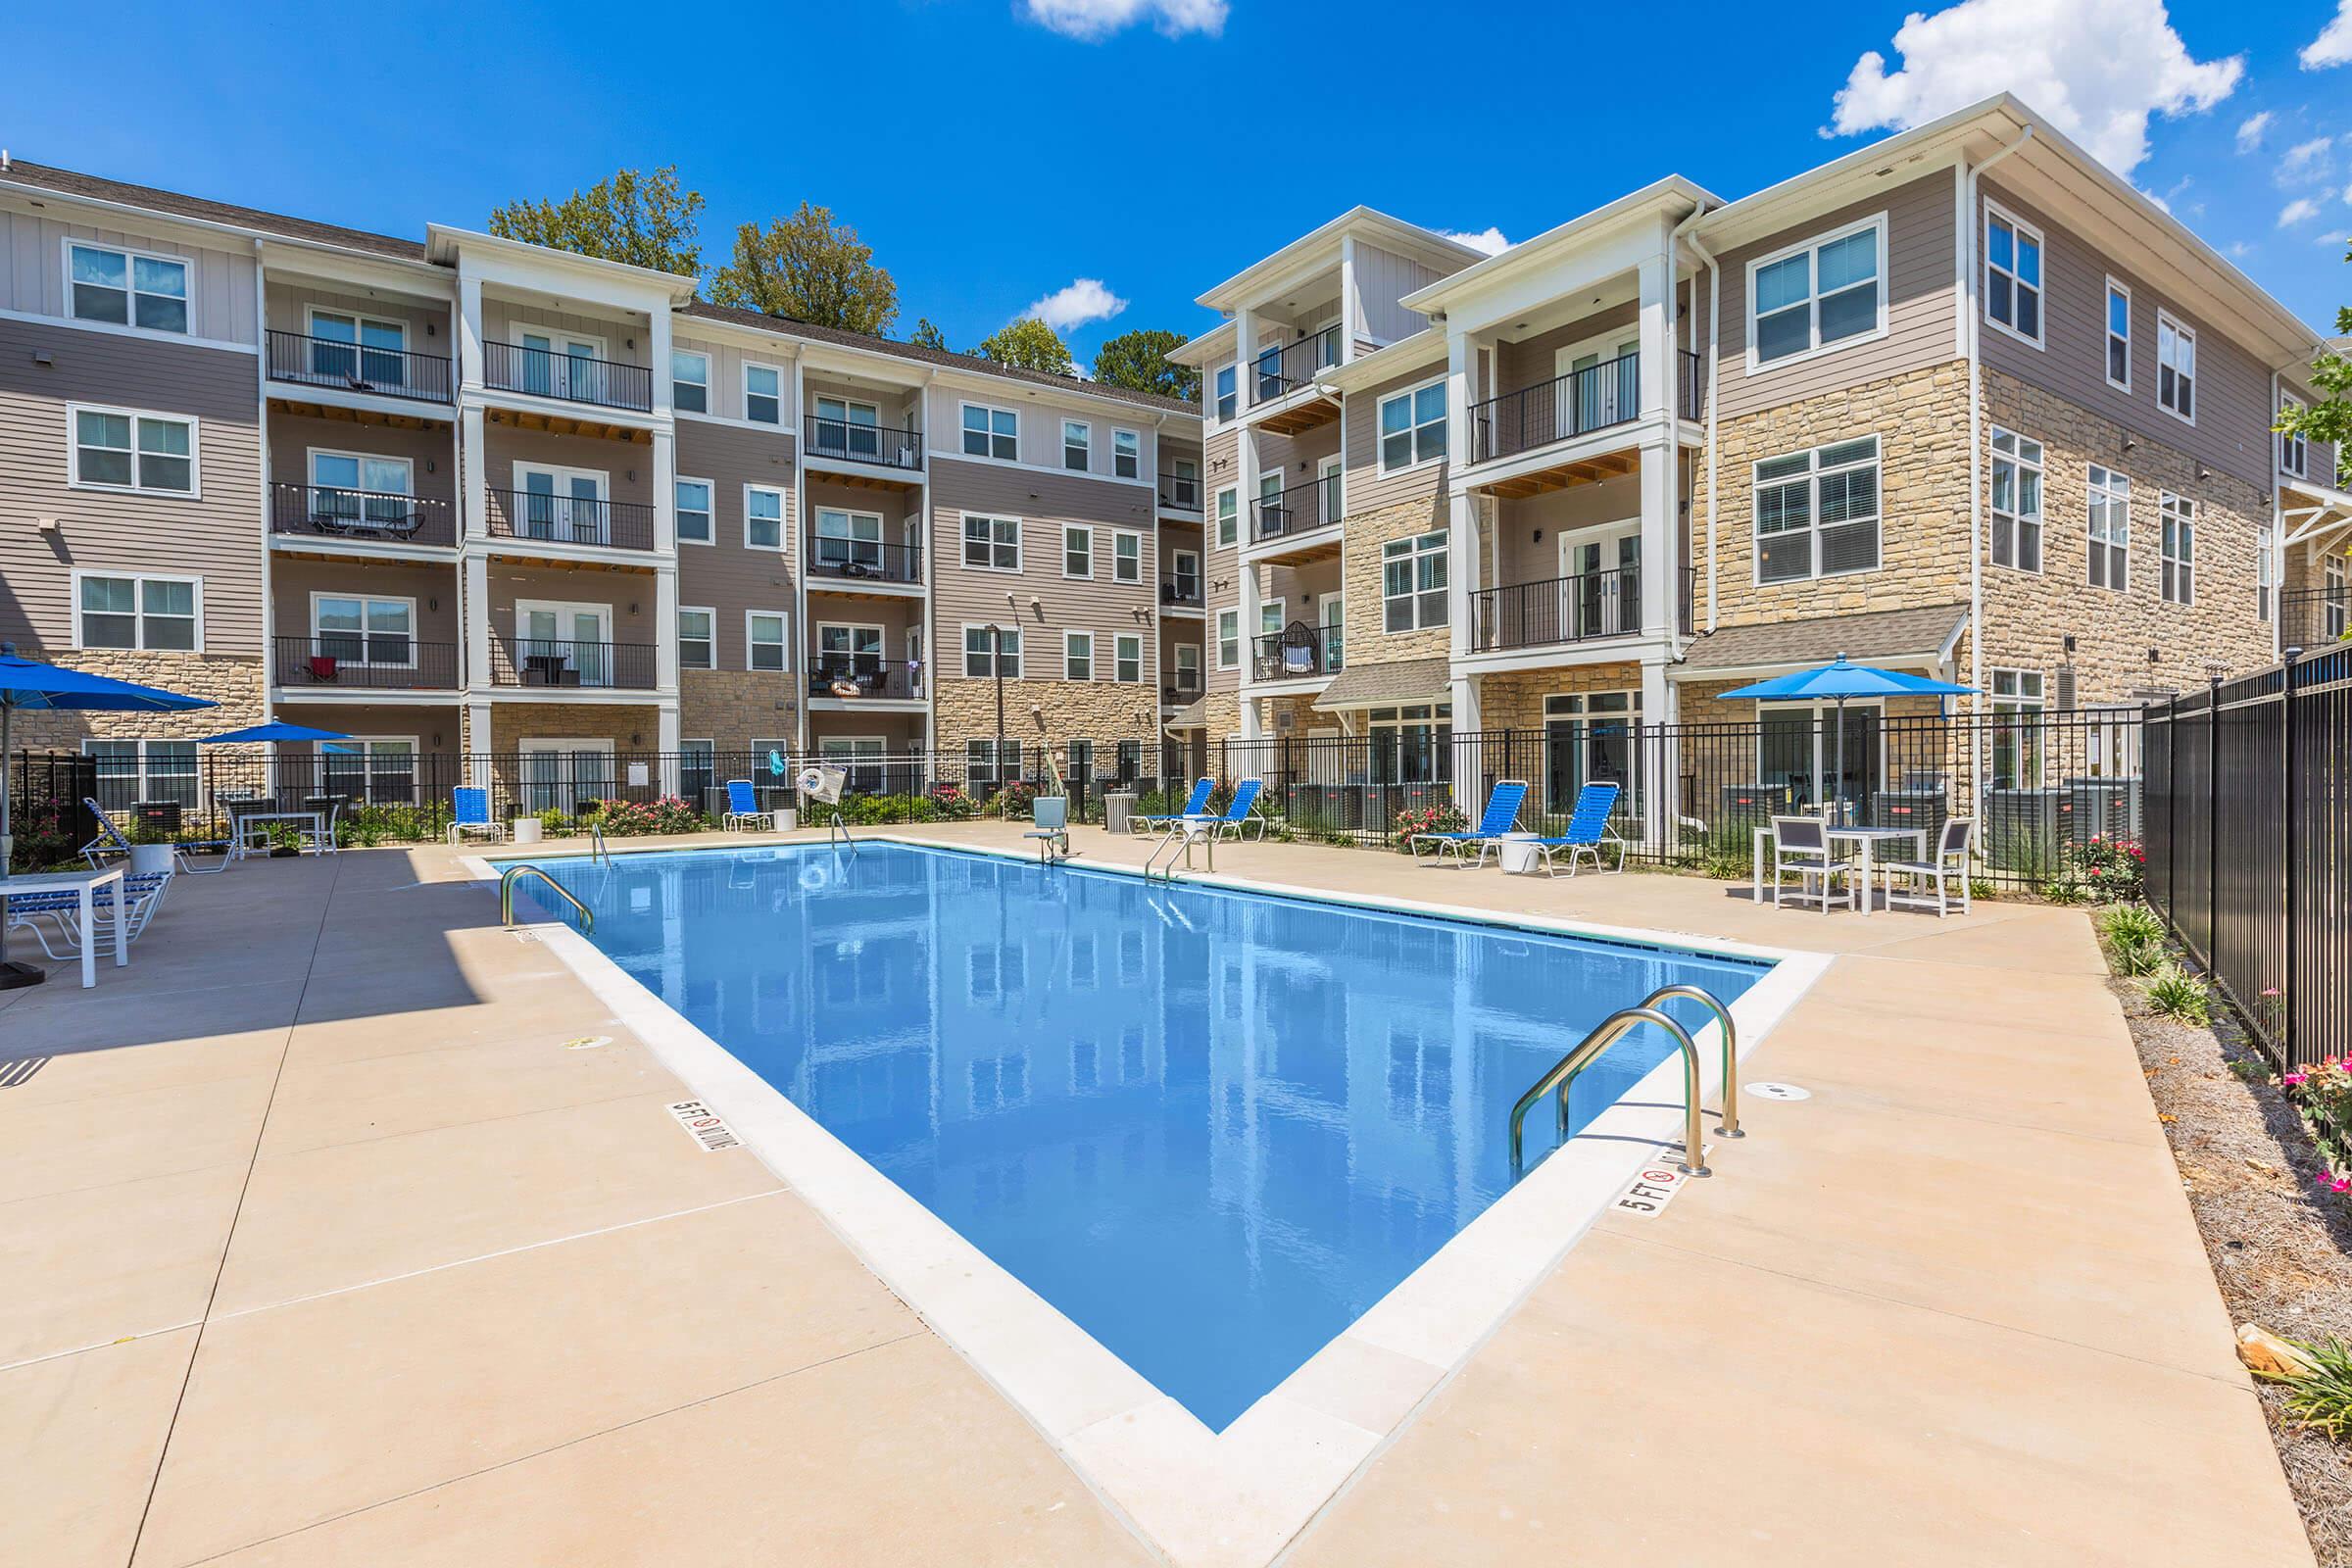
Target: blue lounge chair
{"points": [[111, 841], [1502, 815], [743, 807], [142, 895], [1237, 818], [1196, 805], [1587, 831], [469, 813]]}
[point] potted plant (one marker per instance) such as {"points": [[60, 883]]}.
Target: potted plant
{"points": [[286, 841]]}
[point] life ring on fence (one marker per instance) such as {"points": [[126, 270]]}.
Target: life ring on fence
{"points": [[811, 781], [845, 688]]}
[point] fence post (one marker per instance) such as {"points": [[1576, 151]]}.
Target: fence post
{"points": [[2213, 809], [2289, 889]]}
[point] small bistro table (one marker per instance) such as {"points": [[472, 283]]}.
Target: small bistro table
{"points": [[85, 884], [1868, 837]]}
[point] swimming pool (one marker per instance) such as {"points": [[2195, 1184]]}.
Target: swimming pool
{"points": [[1211, 1127]]}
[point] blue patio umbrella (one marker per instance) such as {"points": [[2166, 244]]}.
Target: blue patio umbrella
{"points": [[31, 684], [279, 731], [1838, 681]]}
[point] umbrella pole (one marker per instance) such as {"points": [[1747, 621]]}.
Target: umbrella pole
{"points": [[12, 975]]}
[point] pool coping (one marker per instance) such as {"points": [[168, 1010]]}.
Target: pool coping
{"points": [[1243, 1496]]}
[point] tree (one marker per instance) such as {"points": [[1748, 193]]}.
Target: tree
{"points": [[926, 335], [1138, 362], [810, 269], [2329, 417], [643, 220], [1027, 345]]}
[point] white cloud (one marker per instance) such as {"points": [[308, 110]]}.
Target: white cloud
{"points": [[1488, 240], [2302, 210], [2333, 45], [1076, 304], [2097, 69], [2154, 200], [1091, 21], [2240, 250], [2250, 130], [2307, 161]]}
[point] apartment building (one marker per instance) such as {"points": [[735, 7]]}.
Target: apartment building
{"points": [[469, 497], [1961, 403]]}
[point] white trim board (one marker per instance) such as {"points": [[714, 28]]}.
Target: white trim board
{"points": [[1202, 1499]]}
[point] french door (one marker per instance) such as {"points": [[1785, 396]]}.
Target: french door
{"points": [[1601, 581]]}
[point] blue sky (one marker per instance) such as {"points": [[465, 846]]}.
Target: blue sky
{"points": [[996, 152]]}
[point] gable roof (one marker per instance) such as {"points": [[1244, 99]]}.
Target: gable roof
{"points": [[227, 214], [1870, 636]]}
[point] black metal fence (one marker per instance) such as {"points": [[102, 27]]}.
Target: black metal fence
{"points": [[2250, 846]]}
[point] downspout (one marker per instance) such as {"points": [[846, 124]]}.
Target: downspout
{"points": [[1976, 414], [1684, 231]]}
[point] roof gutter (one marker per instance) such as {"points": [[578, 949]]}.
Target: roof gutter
{"points": [[1972, 329], [1687, 233]]}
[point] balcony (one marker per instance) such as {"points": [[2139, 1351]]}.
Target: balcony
{"points": [[1585, 608], [1297, 652], [571, 519], [374, 516], [863, 559], [2314, 617], [1181, 593], [1580, 403], [322, 362], [1302, 509], [847, 441], [566, 662], [1277, 372], [567, 377], [1184, 688], [355, 662], [851, 677], [1180, 492]]}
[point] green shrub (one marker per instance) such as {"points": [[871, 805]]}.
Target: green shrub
{"points": [[2063, 888], [2176, 993], [1981, 887], [2108, 869], [1730, 867], [624, 820], [2131, 925], [2137, 959], [2320, 1399], [1428, 819]]}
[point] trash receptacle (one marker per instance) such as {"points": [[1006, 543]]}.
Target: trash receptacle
{"points": [[1117, 808], [1518, 852]]}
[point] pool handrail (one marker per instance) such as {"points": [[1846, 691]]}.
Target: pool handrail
{"points": [[1615, 1027], [505, 894], [597, 849], [1729, 1121]]}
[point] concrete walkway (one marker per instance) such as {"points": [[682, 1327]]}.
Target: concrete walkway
{"points": [[321, 1248]]}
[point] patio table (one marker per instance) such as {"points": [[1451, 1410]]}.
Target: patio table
{"points": [[85, 884], [1866, 838], [244, 815]]}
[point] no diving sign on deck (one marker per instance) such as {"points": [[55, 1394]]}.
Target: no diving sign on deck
{"points": [[1652, 1188], [705, 1125]]}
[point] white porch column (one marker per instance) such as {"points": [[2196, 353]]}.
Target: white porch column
{"points": [[470, 332], [665, 742], [666, 632], [665, 493], [1245, 339], [474, 480], [1462, 574], [474, 606], [1469, 773], [1659, 437], [1660, 795]]}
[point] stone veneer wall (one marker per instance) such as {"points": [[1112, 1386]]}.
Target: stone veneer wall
{"points": [[732, 707], [1099, 711], [1359, 581], [512, 724], [1514, 699], [235, 681]]}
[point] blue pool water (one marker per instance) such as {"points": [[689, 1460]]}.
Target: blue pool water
{"points": [[1211, 1127]]}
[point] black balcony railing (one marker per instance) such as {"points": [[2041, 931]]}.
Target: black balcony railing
{"points": [[357, 367], [571, 519], [863, 559], [2312, 618], [1183, 686], [567, 377], [1279, 371], [851, 676], [1299, 509], [375, 662], [1568, 609], [1298, 652], [877, 443], [1182, 592], [1690, 386], [1180, 492], [380, 516], [1595, 398], [568, 662]]}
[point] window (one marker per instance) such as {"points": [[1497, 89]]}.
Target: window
{"points": [[2012, 275], [1127, 656], [1228, 383], [1126, 557], [1229, 638], [763, 638], [354, 630], [980, 771], [355, 488], [1077, 551], [2119, 337], [1229, 515], [690, 381], [2335, 615], [1409, 745], [694, 512], [1817, 295], [118, 449], [991, 544], [1126, 454], [1077, 445], [2293, 455], [2265, 578], [698, 639], [1412, 582], [697, 768], [375, 769], [134, 610], [1412, 428], [2016, 501], [126, 289], [763, 394], [1077, 656], [131, 771], [2175, 368], [991, 432], [2180, 515], [763, 518], [847, 427], [2110, 528], [1184, 575], [979, 644], [359, 348], [1817, 512], [2017, 751]]}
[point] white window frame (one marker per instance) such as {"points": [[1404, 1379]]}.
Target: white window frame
{"points": [[987, 432], [1128, 567], [75, 480], [139, 580], [712, 622], [2019, 229], [676, 381], [2177, 582], [986, 651], [1876, 222], [2109, 336], [132, 257], [1225, 382], [365, 660], [782, 642], [1229, 637], [1126, 446], [711, 511], [2266, 579], [963, 522], [1083, 447], [2181, 332], [310, 470], [2112, 494], [749, 365], [1227, 522], [783, 517], [140, 742], [1120, 658], [360, 751], [1813, 526], [1420, 547], [1084, 535], [2294, 453], [1412, 430], [1070, 647], [2021, 463]]}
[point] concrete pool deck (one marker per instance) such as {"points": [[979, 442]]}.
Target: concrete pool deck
{"points": [[322, 1249]]}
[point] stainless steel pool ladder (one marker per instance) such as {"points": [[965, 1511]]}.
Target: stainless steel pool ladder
{"points": [[505, 894], [1615, 1027], [837, 833], [597, 852], [1182, 835]]}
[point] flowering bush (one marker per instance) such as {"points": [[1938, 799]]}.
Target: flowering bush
{"points": [[951, 803], [1428, 819], [1015, 799], [2106, 868], [624, 820]]}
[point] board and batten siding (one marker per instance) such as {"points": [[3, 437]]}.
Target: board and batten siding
{"points": [[215, 534], [1365, 488], [1920, 273], [1382, 279], [2232, 429], [626, 342], [728, 356], [32, 273], [1041, 419], [727, 577]]}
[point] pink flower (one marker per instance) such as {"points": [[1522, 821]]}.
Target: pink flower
{"points": [[2270, 990], [2337, 1183], [2294, 1079]]}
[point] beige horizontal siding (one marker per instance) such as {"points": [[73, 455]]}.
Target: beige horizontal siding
{"points": [[1366, 488]]}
